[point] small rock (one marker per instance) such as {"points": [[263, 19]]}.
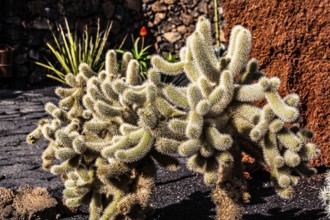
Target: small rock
{"points": [[186, 18], [158, 6], [159, 17], [182, 29], [166, 26], [202, 7], [172, 37], [174, 19], [170, 2]]}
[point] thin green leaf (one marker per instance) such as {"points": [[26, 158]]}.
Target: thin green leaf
{"points": [[68, 55], [58, 79], [59, 58]]}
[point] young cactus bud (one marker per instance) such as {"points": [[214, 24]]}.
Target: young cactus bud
{"points": [[127, 57], [111, 64], [219, 141], [132, 77], [309, 152], [86, 70], [292, 159], [34, 136], [70, 79], [291, 100]]}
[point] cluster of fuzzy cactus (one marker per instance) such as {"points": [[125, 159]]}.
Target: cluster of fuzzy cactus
{"points": [[110, 128]]}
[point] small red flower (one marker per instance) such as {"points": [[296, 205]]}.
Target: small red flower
{"points": [[143, 31]]}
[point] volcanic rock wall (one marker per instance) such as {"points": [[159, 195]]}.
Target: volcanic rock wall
{"points": [[291, 41]]}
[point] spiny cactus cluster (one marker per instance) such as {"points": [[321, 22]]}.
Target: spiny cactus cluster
{"points": [[325, 194], [109, 128]]}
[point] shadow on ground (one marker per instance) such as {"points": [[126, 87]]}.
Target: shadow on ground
{"points": [[198, 206]]}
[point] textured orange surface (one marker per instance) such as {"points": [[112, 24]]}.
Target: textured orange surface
{"points": [[291, 40]]}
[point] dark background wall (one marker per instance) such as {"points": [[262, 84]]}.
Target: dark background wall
{"points": [[26, 25]]}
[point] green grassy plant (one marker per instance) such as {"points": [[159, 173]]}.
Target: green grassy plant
{"points": [[71, 50]]}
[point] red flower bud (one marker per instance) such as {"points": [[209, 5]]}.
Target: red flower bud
{"points": [[143, 31]]}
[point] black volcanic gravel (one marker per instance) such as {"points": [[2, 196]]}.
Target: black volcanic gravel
{"points": [[179, 195]]}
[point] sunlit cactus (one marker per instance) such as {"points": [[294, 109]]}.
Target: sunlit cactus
{"points": [[103, 133], [222, 119], [110, 128]]}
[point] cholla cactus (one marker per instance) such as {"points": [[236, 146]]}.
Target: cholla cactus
{"points": [[103, 132], [325, 194], [222, 119], [109, 129]]}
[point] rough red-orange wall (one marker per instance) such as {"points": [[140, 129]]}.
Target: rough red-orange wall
{"points": [[291, 40]]}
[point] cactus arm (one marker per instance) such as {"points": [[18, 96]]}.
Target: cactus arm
{"points": [[127, 57], [138, 151], [176, 96], [132, 73], [202, 59], [167, 146], [166, 67], [111, 64], [111, 208], [241, 52]]}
